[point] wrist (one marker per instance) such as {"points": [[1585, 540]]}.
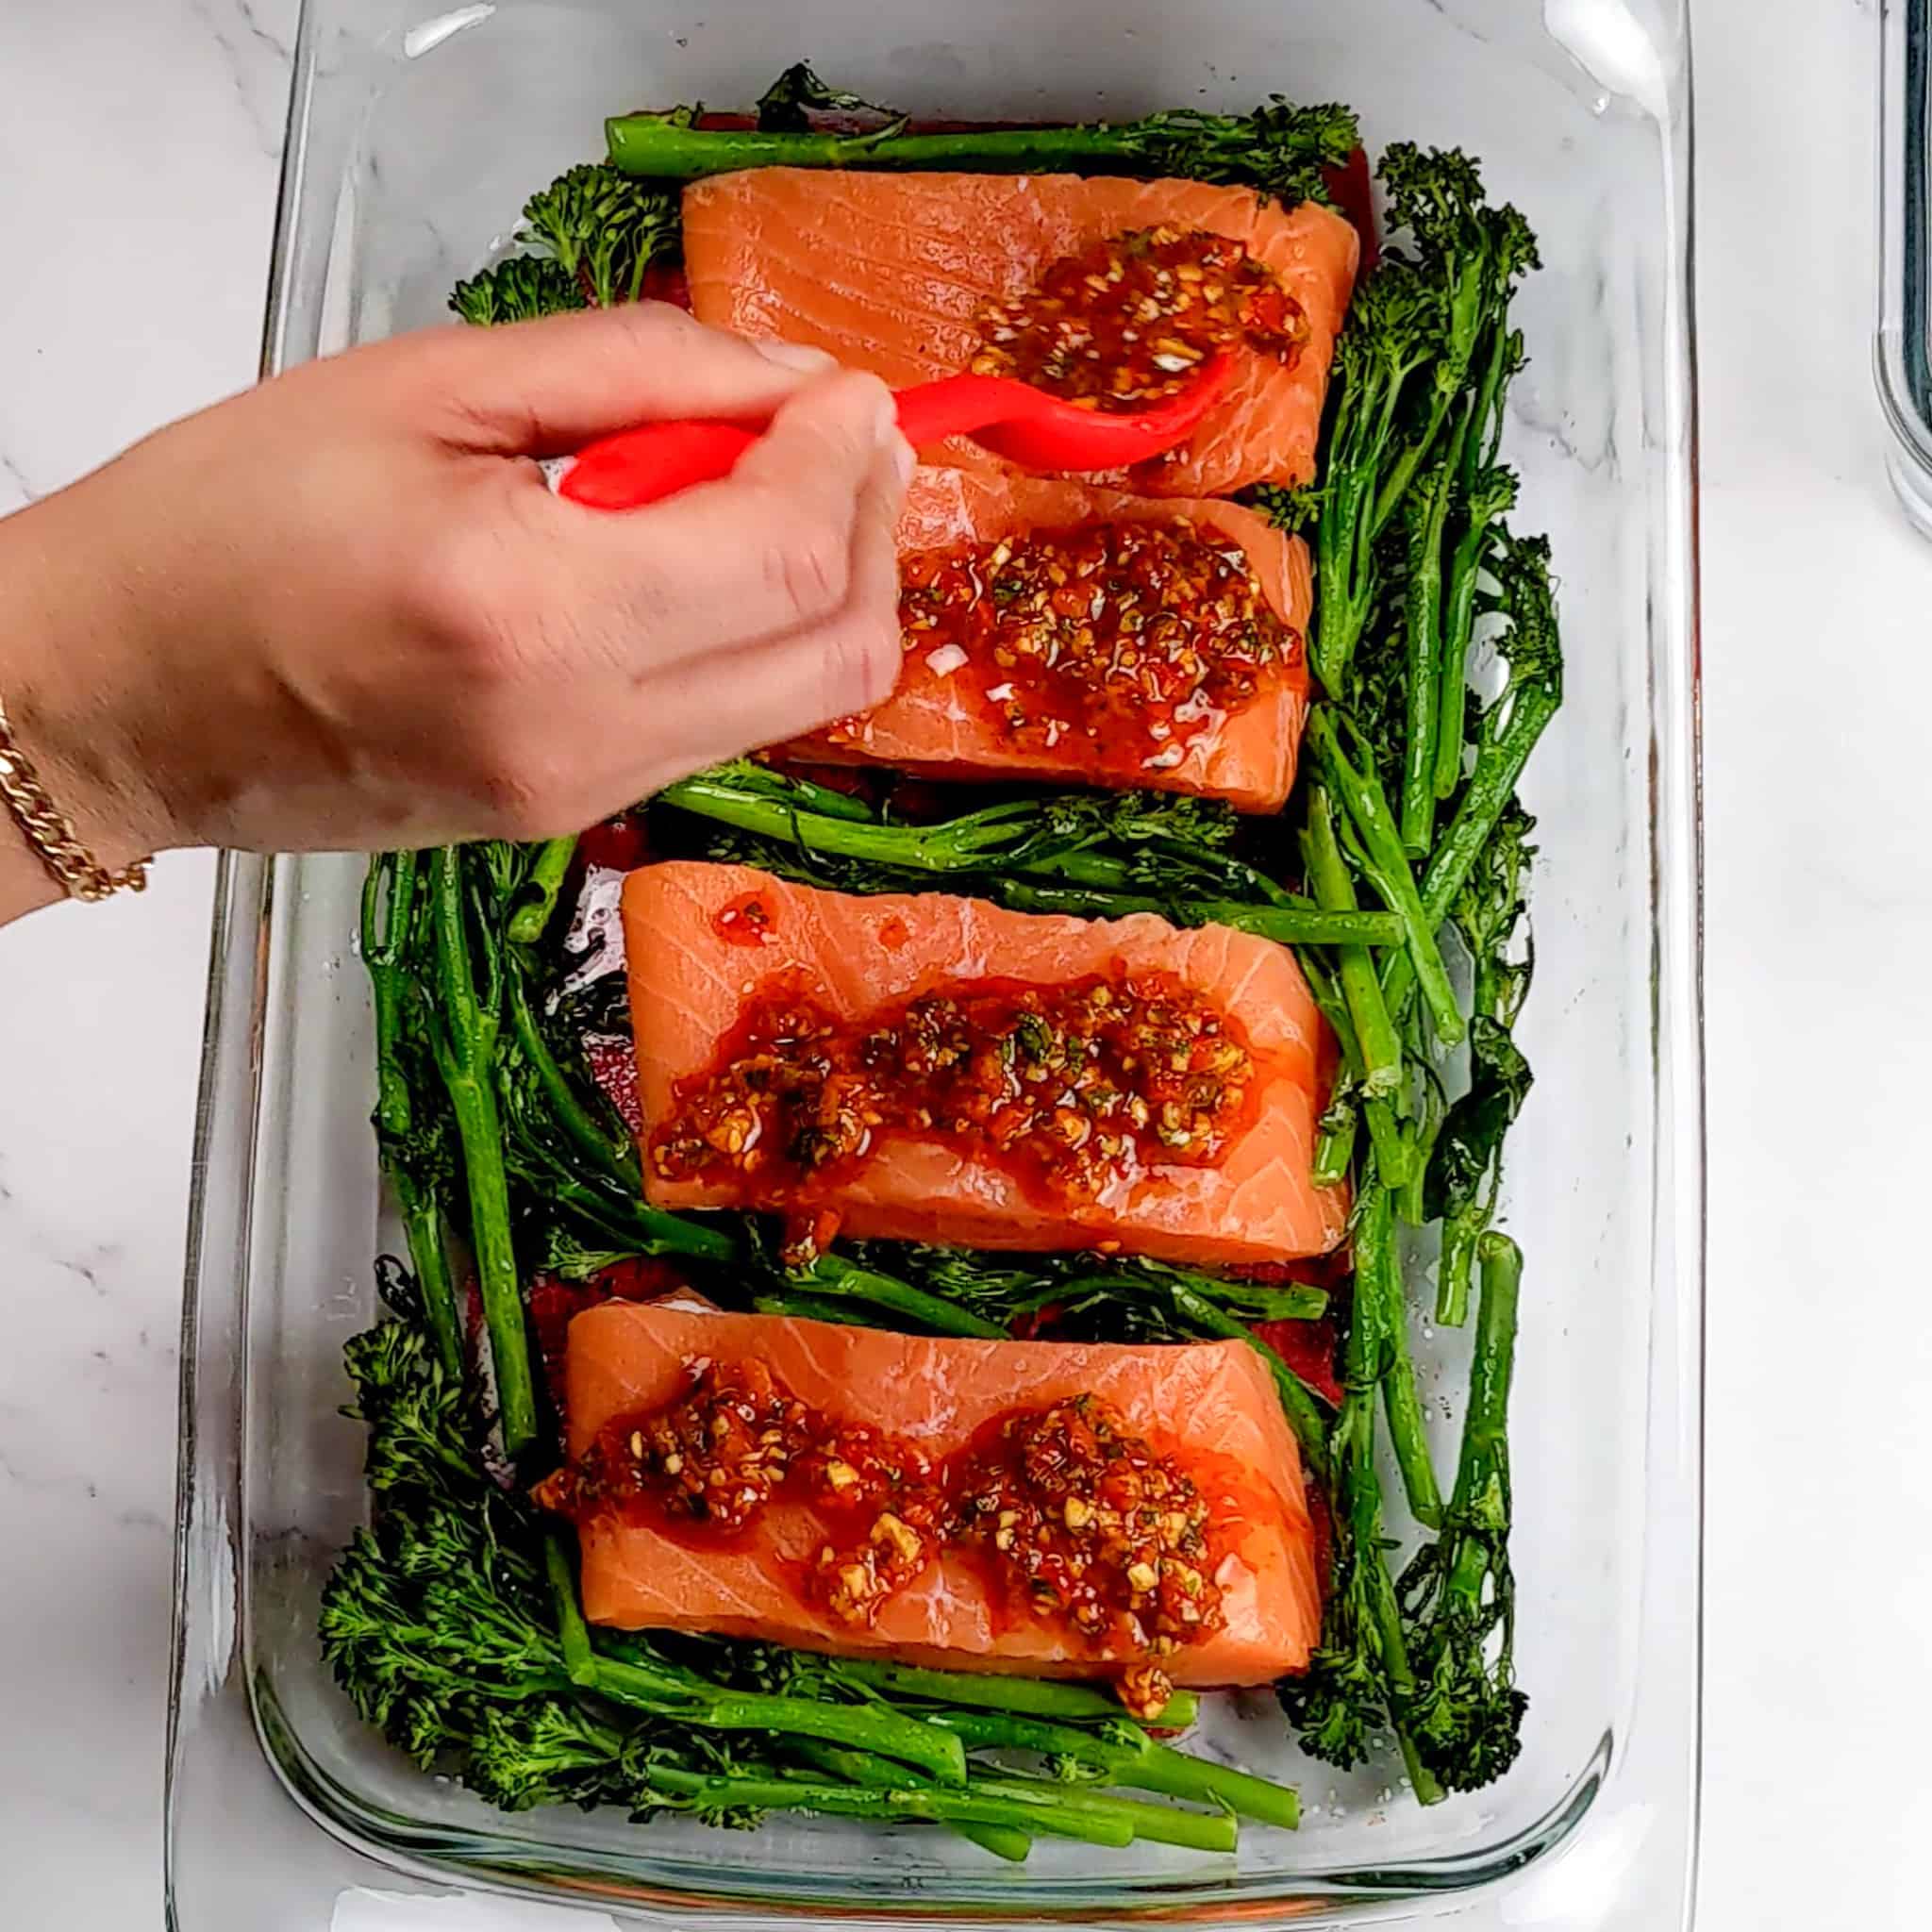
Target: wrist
{"points": [[73, 664]]}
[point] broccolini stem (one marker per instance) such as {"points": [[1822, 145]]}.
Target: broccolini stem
{"points": [[656, 1231], [1031, 1696], [1335, 1148], [832, 1275], [389, 918], [1088, 885], [1461, 1236], [1335, 1142], [1394, 1154], [1361, 795], [999, 1730], [1199, 1831], [1458, 626], [1304, 1417], [792, 790], [1295, 1302], [1279, 149], [665, 148], [572, 1633], [609, 1152], [1248, 884], [958, 846], [627, 1670], [1490, 787], [1481, 441], [857, 1768], [464, 1040], [1287, 926], [1401, 1676], [930, 1804], [1106, 872], [429, 1259], [1370, 375], [545, 881], [1486, 1422], [1484, 442], [1378, 1047], [386, 922], [1410, 1205], [809, 1308], [1134, 1760], [1463, 318], [1355, 1449], [1342, 575], [1335, 1129], [1427, 513], [1379, 1299], [876, 1727], [1098, 872], [1178, 1774]]}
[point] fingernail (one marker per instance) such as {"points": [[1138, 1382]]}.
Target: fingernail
{"points": [[799, 356]]}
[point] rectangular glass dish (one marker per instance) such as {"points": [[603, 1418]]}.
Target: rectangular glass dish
{"points": [[412, 142], [1902, 345]]}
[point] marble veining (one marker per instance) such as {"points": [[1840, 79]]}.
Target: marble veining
{"points": [[257, 40]]}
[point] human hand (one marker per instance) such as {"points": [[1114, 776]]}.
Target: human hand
{"points": [[345, 609]]}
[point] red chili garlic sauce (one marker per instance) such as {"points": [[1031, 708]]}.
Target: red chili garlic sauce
{"points": [[1127, 323], [1124, 642], [747, 921], [1070, 1516], [1072, 1088]]}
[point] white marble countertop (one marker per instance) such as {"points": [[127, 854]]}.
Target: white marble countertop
{"points": [[134, 293]]}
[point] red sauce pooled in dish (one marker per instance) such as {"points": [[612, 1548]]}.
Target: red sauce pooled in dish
{"points": [[1071, 1087], [1071, 1515], [1119, 643], [1127, 323]]}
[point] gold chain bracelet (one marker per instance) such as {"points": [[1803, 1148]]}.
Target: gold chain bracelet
{"points": [[51, 833]]}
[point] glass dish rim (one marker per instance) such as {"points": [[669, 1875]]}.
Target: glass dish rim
{"points": [[1902, 344], [246, 888]]}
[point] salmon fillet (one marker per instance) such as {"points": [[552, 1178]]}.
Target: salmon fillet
{"points": [[937, 721], [1211, 1404], [890, 272], [691, 974]]}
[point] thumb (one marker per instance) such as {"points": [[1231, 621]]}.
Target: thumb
{"points": [[543, 388]]}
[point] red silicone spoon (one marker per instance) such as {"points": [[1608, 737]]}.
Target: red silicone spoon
{"points": [[1026, 426]]}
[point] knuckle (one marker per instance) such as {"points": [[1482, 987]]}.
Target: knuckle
{"points": [[806, 565], [523, 792], [477, 617], [862, 662], [438, 583]]}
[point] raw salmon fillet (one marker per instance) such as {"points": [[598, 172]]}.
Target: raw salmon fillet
{"points": [[936, 721], [1210, 1403], [890, 272], [689, 979]]}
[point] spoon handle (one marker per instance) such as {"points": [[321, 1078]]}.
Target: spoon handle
{"points": [[1039, 432], [657, 459]]}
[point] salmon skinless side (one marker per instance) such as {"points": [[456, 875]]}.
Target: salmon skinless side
{"points": [[1210, 1408], [708, 943], [896, 274], [953, 712]]}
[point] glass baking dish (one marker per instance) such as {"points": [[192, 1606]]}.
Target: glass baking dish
{"points": [[412, 141], [1903, 346]]}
